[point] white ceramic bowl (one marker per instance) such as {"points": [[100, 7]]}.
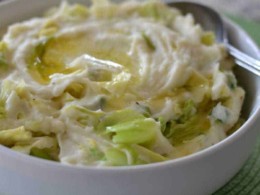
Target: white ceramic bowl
{"points": [[200, 173]]}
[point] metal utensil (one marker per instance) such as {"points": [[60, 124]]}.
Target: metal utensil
{"points": [[210, 20]]}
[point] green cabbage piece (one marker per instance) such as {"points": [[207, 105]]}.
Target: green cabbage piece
{"points": [[116, 157], [135, 155], [148, 156], [45, 147], [41, 153], [189, 109], [208, 38], [75, 89], [94, 153], [135, 134], [117, 117], [36, 66], [178, 133], [49, 28], [138, 131], [2, 110], [10, 137], [6, 89], [231, 80], [163, 124], [192, 122], [33, 125], [3, 61], [123, 155], [83, 115], [22, 148]]}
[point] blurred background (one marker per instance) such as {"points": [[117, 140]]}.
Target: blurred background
{"points": [[247, 9], [246, 13]]}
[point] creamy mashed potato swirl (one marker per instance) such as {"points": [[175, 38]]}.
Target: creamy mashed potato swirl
{"points": [[114, 84]]}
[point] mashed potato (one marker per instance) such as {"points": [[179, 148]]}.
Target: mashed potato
{"points": [[114, 84]]}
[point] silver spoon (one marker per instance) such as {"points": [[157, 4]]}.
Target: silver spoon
{"points": [[210, 20]]}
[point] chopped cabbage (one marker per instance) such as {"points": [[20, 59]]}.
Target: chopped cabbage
{"points": [[9, 137], [133, 132], [115, 85]]}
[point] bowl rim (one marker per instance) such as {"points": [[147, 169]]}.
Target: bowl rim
{"points": [[159, 165]]}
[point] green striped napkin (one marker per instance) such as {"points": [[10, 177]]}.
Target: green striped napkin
{"points": [[247, 180], [252, 28]]}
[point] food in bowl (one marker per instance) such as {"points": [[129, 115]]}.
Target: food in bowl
{"points": [[115, 84]]}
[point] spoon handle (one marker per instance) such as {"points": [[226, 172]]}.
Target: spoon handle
{"points": [[244, 60]]}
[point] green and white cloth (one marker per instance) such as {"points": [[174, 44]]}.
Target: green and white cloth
{"points": [[247, 180]]}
